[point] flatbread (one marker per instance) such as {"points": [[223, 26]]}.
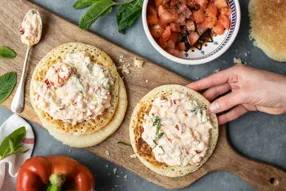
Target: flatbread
{"points": [[268, 27], [144, 152], [100, 135], [97, 56]]}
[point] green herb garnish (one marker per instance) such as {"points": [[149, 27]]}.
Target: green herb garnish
{"points": [[160, 135], [162, 149], [157, 124], [6, 52], [123, 143], [7, 84], [155, 144], [127, 14], [12, 143]]}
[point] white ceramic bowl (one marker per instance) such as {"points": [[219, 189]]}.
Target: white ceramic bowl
{"points": [[213, 50]]}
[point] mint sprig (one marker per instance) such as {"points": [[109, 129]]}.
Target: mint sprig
{"points": [[12, 143], [6, 52]]}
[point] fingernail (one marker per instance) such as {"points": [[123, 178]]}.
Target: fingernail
{"points": [[214, 107]]}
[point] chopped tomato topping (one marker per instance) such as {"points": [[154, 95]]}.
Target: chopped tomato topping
{"points": [[152, 17], [193, 38], [224, 20], [167, 15], [225, 11], [167, 33], [190, 25], [221, 3], [175, 27], [156, 30], [171, 44], [203, 27], [218, 29], [182, 46], [175, 37], [199, 16], [202, 3], [212, 10]]}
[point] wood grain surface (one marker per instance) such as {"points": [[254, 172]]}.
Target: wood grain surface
{"points": [[57, 31]]}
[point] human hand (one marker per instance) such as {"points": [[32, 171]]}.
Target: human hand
{"points": [[251, 90]]}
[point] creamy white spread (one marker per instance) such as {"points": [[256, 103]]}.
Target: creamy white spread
{"points": [[31, 28], [177, 130], [74, 89]]}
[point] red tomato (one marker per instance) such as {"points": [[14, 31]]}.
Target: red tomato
{"points": [[212, 10], [193, 38], [225, 11], [224, 20], [175, 27], [199, 16], [203, 27], [221, 3], [202, 3], [182, 46], [175, 37], [156, 30], [167, 33], [166, 15], [152, 17], [190, 25], [171, 44], [218, 29]]}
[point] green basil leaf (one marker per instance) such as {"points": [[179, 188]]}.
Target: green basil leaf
{"points": [[80, 4], [123, 143], [98, 9], [7, 84], [12, 143], [6, 52], [128, 13]]}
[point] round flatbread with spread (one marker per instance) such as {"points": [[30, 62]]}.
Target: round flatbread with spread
{"points": [[268, 26], [172, 132], [100, 135], [75, 91]]}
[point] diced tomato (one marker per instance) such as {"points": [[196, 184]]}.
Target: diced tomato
{"points": [[152, 17], [156, 30], [199, 16], [171, 44], [167, 33], [161, 2], [182, 46], [221, 3], [192, 4], [162, 43], [193, 37], [175, 37], [167, 15], [174, 52], [218, 29], [210, 22], [190, 25], [181, 19], [225, 11], [202, 3], [224, 20], [212, 10], [203, 27], [175, 27]]}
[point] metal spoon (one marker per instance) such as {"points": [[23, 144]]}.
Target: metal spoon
{"points": [[18, 100]]}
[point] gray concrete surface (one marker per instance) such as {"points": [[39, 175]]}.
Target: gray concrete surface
{"points": [[256, 135]]}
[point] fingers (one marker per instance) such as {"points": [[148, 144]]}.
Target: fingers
{"points": [[233, 114], [213, 92], [212, 80], [226, 102]]}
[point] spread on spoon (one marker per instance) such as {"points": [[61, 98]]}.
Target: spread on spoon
{"points": [[31, 28]]}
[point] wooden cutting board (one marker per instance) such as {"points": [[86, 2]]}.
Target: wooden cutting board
{"points": [[57, 31]]}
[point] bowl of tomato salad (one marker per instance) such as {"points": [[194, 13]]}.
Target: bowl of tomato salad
{"points": [[191, 31]]}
